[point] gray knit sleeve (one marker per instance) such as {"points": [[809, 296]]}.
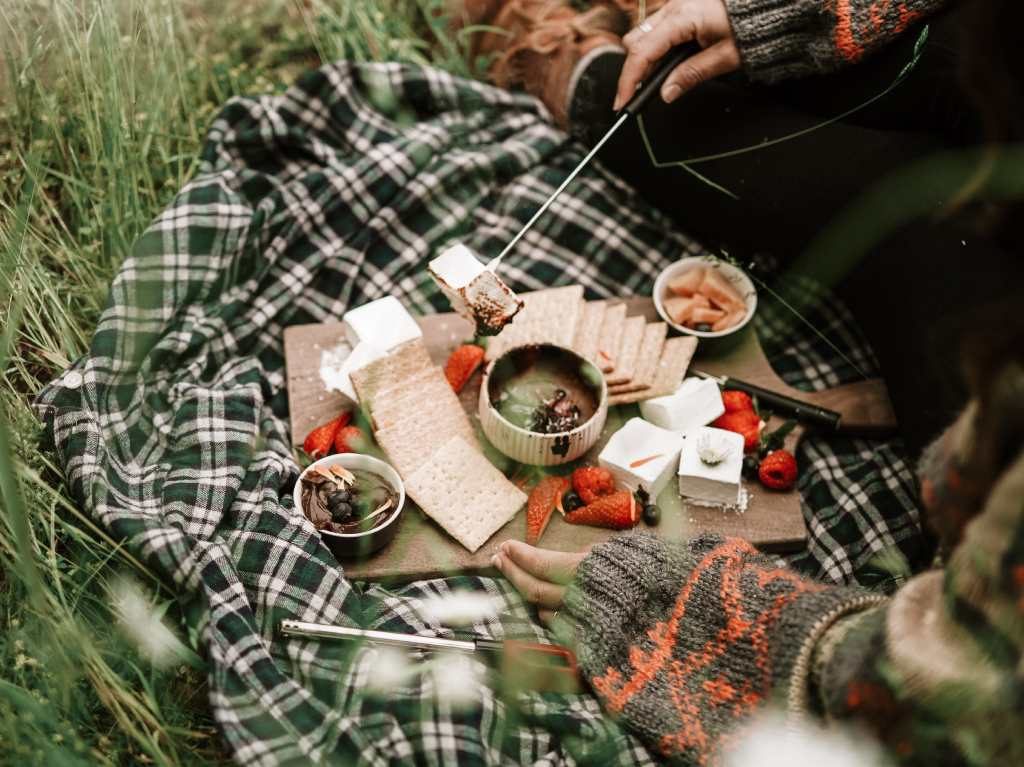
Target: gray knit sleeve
{"points": [[795, 38], [690, 637]]}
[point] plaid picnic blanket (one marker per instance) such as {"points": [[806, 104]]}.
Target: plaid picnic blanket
{"points": [[173, 429]]}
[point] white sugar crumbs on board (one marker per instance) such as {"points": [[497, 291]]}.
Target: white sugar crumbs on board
{"points": [[741, 505], [331, 361]]}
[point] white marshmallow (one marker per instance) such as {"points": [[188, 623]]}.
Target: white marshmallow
{"points": [[636, 441], [474, 291], [336, 366], [697, 402], [699, 480], [385, 323]]}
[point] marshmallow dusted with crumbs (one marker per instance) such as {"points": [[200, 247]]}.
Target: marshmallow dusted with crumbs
{"points": [[474, 291], [385, 323], [641, 454], [697, 402], [710, 467]]}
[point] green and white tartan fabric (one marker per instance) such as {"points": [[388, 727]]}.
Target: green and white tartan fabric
{"points": [[173, 429]]}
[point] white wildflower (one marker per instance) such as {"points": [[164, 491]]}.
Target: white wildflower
{"points": [[771, 740], [460, 608], [144, 627]]}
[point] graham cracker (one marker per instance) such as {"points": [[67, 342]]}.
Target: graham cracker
{"points": [[548, 316], [629, 351], [610, 337], [647, 360], [409, 444], [589, 330], [401, 364], [415, 396], [675, 359], [460, 490]]}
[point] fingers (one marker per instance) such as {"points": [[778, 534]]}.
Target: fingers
{"points": [[640, 29], [721, 58], [547, 565], [647, 48], [546, 616], [541, 593]]}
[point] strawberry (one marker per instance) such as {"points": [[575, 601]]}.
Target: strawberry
{"points": [[778, 470], [617, 511], [318, 442], [592, 482], [540, 504], [735, 401], [461, 365], [349, 439], [744, 422]]}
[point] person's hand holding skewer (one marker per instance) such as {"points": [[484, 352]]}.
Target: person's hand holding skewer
{"points": [[540, 575], [675, 23]]}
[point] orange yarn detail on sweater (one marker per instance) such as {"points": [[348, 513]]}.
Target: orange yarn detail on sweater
{"points": [[690, 696], [853, 40]]}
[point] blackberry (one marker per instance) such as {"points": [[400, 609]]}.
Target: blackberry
{"points": [[652, 514], [571, 501]]}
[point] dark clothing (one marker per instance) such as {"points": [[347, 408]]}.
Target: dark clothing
{"points": [[912, 293]]}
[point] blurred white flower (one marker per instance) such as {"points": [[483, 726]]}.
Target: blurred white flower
{"points": [[460, 608], [771, 740], [456, 679], [144, 627], [387, 668]]}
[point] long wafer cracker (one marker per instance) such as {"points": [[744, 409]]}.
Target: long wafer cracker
{"points": [[460, 490], [589, 331], [409, 444], [629, 351], [548, 316], [402, 363], [610, 337], [647, 361], [675, 359]]}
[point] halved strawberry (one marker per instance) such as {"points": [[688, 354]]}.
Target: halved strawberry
{"points": [[318, 442], [737, 400], [744, 422], [592, 482], [617, 511], [541, 504], [349, 439], [461, 365]]}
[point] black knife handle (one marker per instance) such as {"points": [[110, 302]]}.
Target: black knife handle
{"points": [[800, 410], [652, 84]]}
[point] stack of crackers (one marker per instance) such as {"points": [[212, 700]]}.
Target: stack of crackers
{"points": [[418, 421], [637, 358]]}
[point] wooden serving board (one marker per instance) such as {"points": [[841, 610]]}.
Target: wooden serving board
{"points": [[773, 521]]}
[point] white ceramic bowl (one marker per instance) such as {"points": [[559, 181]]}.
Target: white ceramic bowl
{"points": [[532, 447], [734, 274], [350, 545]]}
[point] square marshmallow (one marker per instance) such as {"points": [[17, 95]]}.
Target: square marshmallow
{"points": [[336, 367], [473, 290], [717, 484], [636, 441], [385, 323], [697, 402]]}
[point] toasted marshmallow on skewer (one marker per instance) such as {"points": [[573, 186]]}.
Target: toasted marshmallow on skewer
{"points": [[475, 292]]}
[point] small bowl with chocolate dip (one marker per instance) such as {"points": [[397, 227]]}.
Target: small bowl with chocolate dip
{"points": [[543, 404], [353, 500]]}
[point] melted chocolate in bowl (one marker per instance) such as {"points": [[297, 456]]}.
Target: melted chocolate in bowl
{"points": [[350, 502], [544, 389]]}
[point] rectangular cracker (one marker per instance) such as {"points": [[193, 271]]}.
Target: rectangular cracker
{"points": [[610, 337], [409, 445], [675, 359], [422, 396], [460, 490], [403, 363], [548, 316], [629, 351], [647, 361], [589, 330]]}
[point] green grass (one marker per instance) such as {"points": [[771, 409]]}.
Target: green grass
{"points": [[103, 106]]}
